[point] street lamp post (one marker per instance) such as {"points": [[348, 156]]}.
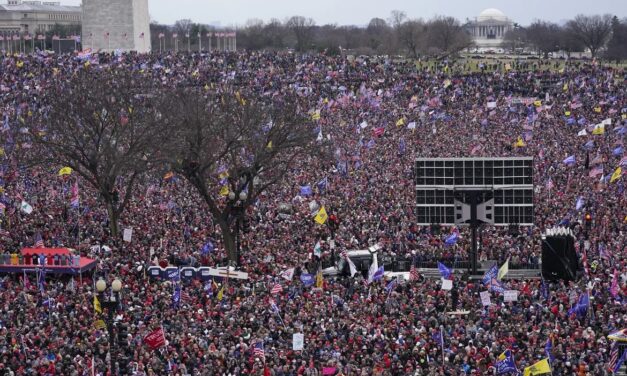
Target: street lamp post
{"points": [[238, 212], [111, 303]]}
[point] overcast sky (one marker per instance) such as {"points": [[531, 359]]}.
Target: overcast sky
{"points": [[359, 12]]}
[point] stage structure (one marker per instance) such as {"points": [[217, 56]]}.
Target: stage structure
{"points": [[474, 191]]}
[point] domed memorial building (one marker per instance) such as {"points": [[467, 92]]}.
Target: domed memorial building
{"points": [[489, 28]]}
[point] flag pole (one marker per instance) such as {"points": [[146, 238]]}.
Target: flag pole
{"points": [[442, 342]]}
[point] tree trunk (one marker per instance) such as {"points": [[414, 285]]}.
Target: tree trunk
{"points": [[230, 246], [113, 219]]}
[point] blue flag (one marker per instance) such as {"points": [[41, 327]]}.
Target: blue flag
{"points": [[580, 203], [444, 271], [41, 280], [452, 239], [378, 274], [401, 146], [547, 350], [544, 290], [570, 160], [390, 286], [618, 151], [307, 279], [322, 184], [491, 281], [176, 296], [589, 145], [305, 190], [174, 275], [581, 308], [207, 248], [505, 363]]}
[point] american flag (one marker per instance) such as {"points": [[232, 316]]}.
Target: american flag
{"points": [[276, 289], [615, 363], [259, 351], [161, 35], [614, 285], [39, 242], [413, 273], [598, 170], [74, 198]]}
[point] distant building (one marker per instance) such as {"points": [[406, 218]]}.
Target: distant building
{"points": [[489, 28], [32, 17], [111, 25]]}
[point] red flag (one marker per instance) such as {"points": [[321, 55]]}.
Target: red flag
{"points": [[155, 339]]}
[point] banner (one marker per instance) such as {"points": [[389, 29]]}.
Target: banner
{"points": [[485, 298], [128, 234], [155, 339], [510, 296], [298, 341]]}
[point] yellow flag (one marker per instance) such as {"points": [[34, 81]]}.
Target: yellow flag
{"points": [[224, 191], [315, 115], [561, 70], [100, 324], [538, 368], [537, 103], [520, 143], [269, 147], [599, 129], [567, 113], [616, 175], [206, 87], [325, 101], [319, 279], [565, 88], [597, 110], [223, 175], [19, 64], [97, 307], [221, 294], [322, 216], [1, 152], [623, 116], [503, 270], [65, 171], [400, 122]]}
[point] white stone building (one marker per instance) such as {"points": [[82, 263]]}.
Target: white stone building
{"points": [[34, 17], [489, 28], [111, 25]]}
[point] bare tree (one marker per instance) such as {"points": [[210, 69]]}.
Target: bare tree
{"points": [[397, 18], [183, 27], [377, 32], [103, 126], [515, 39], [411, 35], [232, 149], [544, 36], [617, 46], [303, 29], [446, 36], [593, 31]]}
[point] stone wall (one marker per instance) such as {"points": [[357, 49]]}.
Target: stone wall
{"points": [[123, 20]]}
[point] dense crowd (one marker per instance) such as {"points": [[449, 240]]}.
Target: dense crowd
{"points": [[349, 327]]}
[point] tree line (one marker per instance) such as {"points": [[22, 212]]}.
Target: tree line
{"points": [[118, 132], [439, 37]]}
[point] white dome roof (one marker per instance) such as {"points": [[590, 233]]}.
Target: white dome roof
{"points": [[492, 13]]}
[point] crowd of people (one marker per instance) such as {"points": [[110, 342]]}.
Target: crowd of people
{"points": [[378, 116]]}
